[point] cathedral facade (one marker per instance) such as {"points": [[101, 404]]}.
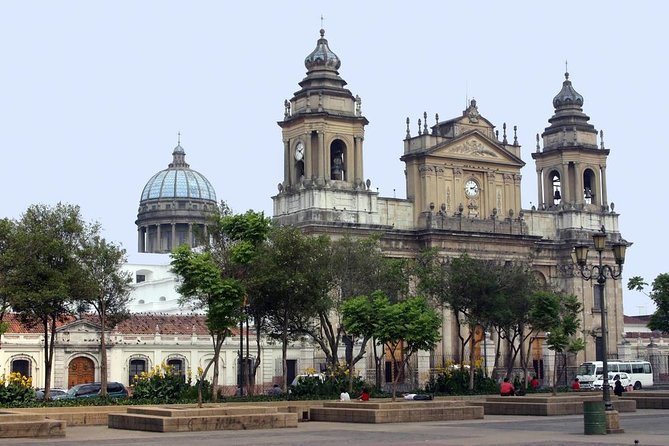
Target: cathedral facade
{"points": [[463, 183]]}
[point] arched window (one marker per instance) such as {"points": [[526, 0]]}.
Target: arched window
{"points": [[589, 186], [135, 368], [178, 366], [337, 160], [21, 366], [557, 187]]}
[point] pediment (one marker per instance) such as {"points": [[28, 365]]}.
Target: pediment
{"points": [[80, 326], [473, 146]]}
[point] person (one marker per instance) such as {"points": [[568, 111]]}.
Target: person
{"points": [[618, 388], [364, 396], [534, 382], [275, 390], [506, 388], [576, 385], [344, 396], [416, 396]]}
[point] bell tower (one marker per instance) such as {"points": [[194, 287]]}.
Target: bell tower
{"points": [[571, 168], [323, 132]]}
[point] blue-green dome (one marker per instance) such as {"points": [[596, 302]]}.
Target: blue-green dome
{"points": [[178, 181]]}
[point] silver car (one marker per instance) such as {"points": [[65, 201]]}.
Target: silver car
{"points": [[599, 381]]}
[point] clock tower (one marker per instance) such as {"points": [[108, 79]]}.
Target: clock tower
{"points": [[323, 132], [571, 169]]}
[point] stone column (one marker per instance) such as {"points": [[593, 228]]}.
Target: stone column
{"points": [[140, 239], [287, 163], [190, 234], [605, 200], [540, 194], [159, 240], [324, 158], [174, 237], [358, 177], [308, 158]]}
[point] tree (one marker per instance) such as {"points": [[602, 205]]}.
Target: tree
{"points": [[289, 284], [221, 298], [659, 320], [360, 320], [234, 241], [356, 267], [108, 289], [45, 275], [558, 314], [511, 317], [6, 229], [404, 328], [472, 291]]}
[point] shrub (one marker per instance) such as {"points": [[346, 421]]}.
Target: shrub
{"points": [[160, 384], [313, 388], [16, 389], [455, 381]]}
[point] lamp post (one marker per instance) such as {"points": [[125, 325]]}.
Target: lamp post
{"points": [[599, 273]]}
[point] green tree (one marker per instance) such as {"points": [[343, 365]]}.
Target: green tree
{"points": [[6, 230], [45, 275], [659, 320], [356, 267], [404, 328], [472, 291], [221, 298], [234, 241], [558, 314], [108, 289], [511, 315], [290, 284]]}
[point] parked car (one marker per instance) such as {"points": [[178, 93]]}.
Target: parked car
{"points": [[298, 378], [92, 390], [599, 381], [55, 393]]}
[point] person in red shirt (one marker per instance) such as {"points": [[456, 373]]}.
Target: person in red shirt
{"points": [[534, 383], [506, 388], [364, 396], [575, 385]]}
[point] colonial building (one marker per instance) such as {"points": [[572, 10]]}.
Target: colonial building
{"points": [[136, 345], [463, 186]]}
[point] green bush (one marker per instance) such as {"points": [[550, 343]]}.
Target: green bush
{"points": [[16, 389], [455, 381], [160, 384], [312, 387]]}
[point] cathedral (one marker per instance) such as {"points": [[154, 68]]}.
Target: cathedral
{"points": [[463, 186]]}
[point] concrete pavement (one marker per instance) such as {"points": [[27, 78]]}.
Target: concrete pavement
{"points": [[648, 427]]}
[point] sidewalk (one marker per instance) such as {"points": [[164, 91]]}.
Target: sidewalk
{"points": [[649, 427]]}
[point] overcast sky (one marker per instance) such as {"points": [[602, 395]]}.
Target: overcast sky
{"points": [[93, 94]]}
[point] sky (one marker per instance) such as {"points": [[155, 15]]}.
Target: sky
{"points": [[94, 93]]}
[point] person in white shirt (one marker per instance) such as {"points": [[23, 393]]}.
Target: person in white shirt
{"points": [[344, 396]]}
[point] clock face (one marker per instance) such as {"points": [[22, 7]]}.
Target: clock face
{"points": [[299, 151], [471, 188]]}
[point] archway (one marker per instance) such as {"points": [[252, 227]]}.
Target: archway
{"points": [[80, 371]]}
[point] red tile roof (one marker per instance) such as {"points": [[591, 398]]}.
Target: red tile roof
{"points": [[138, 323]]}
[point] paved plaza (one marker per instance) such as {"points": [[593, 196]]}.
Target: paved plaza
{"points": [[648, 427]]}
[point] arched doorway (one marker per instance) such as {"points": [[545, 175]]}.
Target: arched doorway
{"points": [[80, 371]]}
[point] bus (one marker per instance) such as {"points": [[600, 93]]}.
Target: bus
{"points": [[640, 372]]}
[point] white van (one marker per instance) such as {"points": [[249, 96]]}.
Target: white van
{"points": [[639, 372]]}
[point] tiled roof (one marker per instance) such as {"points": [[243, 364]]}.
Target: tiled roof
{"points": [[138, 323], [641, 319]]}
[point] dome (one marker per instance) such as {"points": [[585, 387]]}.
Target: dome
{"points": [[567, 96], [178, 181], [322, 56]]}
